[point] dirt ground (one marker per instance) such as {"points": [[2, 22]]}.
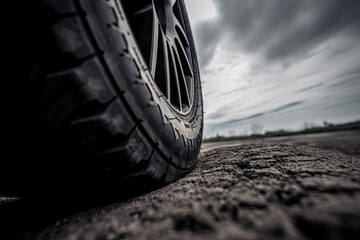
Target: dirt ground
{"points": [[248, 191], [243, 192]]}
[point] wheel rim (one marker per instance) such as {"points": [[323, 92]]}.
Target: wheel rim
{"points": [[160, 31]]}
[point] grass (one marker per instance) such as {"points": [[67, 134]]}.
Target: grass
{"points": [[281, 133]]}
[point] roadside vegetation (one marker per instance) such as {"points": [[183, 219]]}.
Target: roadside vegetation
{"points": [[308, 128]]}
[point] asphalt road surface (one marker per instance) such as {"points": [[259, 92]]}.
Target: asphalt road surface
{"points": [[247, 191]]}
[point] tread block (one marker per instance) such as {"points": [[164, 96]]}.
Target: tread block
{"points": [[104, 18], [191, 152], [102, 9], [140, 147], [91, 87], [60, 6], [132, 96], [88, 76], [63, 108], [70, 38], [171, 175], [117, 120], [134, 150], [157, 167], [60, 84], [108, 127]]}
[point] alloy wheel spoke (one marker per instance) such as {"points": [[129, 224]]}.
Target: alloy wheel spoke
{"points": [[167, 68], [181, 32], [173, 2], [144, 9], [182, 52], [175, 81], [182, 80], [154, 45]]}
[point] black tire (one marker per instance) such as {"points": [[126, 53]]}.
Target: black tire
{"points": [[91, 102]]}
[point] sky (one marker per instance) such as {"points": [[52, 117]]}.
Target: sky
{"points": [[277, 63]]}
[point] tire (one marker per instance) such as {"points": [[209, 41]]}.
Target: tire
{"points": [[95, 103]]}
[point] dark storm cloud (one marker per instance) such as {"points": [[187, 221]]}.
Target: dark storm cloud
{"points": [[351, 77], [207, 40], [286, 106], [244, 118], [276, 29], [310, 88]]}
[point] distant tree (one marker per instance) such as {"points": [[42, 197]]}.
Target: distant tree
{"points": [[256, 128], [309, 125], [232, 133], [328, 124]]}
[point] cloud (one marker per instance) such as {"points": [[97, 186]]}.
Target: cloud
{"points": [[279, 63], [275, 30], [286, 106], [243, 119], [310, 87], [206, 40]]}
